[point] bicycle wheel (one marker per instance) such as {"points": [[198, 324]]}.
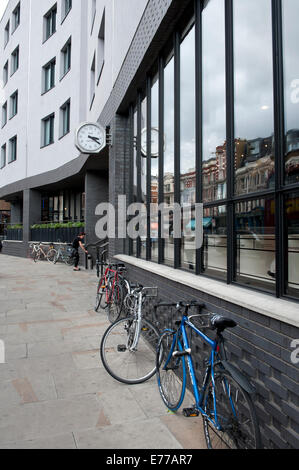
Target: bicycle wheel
{"points": [[52, 256], [236, 415], [101, 295], [36, 256], [121, 362], [115, 303], [171, 371]]}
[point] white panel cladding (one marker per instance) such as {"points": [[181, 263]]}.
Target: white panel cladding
{"points": [[121, 21]]}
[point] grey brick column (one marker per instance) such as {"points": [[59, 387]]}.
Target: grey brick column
{"points": [[31, 211], [96, 192], [118, 174], [16, 212]]}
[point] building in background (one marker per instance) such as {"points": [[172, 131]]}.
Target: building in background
{"points": [[195, 112]]}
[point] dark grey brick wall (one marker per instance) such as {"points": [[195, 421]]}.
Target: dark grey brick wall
{"points": [[260, 346], [96, 192], [119, 172]]}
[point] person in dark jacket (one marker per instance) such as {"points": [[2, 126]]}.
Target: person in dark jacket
{"points": [[78, 243]]}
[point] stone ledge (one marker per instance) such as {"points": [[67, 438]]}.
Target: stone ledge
{"points": [[279, 309]]}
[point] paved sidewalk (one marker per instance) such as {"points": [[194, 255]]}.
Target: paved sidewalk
{"points": [[54, 391]]}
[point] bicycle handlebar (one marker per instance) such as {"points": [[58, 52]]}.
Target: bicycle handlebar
{"points": [[180, 304]]}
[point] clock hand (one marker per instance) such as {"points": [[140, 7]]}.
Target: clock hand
{"points": [[96, 139]]}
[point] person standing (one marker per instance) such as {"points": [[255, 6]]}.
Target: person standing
{"points": [[78, 243]]}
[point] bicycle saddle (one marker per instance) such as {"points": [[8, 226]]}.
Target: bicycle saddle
{"points": [[219, 323]]}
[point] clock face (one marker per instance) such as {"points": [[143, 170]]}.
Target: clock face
{"points": [[154, 142], [90, 138]]}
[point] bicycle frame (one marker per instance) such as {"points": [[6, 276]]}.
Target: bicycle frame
{"points": [[182, 333]]}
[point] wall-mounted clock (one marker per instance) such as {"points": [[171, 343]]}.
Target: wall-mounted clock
{"points": [[90, 137]]}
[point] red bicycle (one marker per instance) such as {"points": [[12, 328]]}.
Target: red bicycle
{"points": [[110, 292]]}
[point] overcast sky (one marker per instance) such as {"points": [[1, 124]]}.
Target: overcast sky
{"points": [[3, 4]]}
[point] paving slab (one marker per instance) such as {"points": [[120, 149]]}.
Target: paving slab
{"points": [[54, 390]]}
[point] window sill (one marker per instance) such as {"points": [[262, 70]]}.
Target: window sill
{"points": [[47, 91], [65, 74], [279, 309]]}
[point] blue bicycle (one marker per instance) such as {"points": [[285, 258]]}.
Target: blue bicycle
{"points": [[225, 398]]}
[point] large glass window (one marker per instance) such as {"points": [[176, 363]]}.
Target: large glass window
{"points": [[154, 167], [135, 172], [291, 81], [241, 195], [187, 117], [143, 170], [168, 177], [255, 227], [215, 242], [214, 120], [292, 220], [253, 75]]}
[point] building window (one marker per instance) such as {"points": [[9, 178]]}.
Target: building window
{"points": [[92, 80], [5, 74], [4, 114], [13, 104], [66, 53], [93, 13], [3, 156], [14, 61], [48, 130], [214, 105], [187, 146], [65, 118], [16, 17], [49, 76], [101, 48], [66, 8], [50, 22], [291, 91], [254, 116], [12, 149], [6, 33]]}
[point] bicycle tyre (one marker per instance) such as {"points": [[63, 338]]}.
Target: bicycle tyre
{"points": [[36, 256], [68, 260], [52, 256], [235, 413], [171, 372], [124, 365], [115, 303], [101, 294]]}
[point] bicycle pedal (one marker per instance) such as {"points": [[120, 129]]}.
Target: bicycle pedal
{"points": [[190, 412], [121, 348]]}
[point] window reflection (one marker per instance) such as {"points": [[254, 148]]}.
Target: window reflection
{"points": [[155, 168], [215, 241], [254, 127], [292, 217], [169, 153], [255, 228], [143, 168], [291, 80], [214, 120], [187, 117], [134, 247]]}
